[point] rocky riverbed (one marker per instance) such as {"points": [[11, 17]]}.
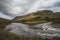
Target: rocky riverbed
{"points": [[44, 30]]}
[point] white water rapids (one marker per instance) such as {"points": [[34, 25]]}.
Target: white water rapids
{"points": [[23, 29]]}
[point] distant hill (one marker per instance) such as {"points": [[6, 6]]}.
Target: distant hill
{"points": [[37, 17]]}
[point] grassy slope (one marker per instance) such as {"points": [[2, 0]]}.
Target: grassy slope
{"points": [[4, 22], [38, 17]]}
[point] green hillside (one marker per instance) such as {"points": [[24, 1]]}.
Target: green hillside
{"points": [[37, 17]]}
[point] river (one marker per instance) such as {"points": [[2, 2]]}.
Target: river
{"points": [[23, 29]]}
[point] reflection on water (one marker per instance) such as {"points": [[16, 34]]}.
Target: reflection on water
{"points": [[23, 29]]}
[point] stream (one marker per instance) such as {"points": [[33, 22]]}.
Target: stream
{"points": [[23, 29]]}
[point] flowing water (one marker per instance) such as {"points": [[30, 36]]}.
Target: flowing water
{"points": [[23, 29]]}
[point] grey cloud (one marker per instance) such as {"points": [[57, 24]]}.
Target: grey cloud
{"points": [[5, 16], [4, 6], [54, 7], [57, 4], [7, 7]]}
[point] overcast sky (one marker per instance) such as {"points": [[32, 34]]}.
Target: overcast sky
{"points": [[12, 8]]}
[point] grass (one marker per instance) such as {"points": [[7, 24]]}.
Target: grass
{"points": [[6, 35], [34, 22], [57, 21]]}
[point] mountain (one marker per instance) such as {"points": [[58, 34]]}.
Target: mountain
{"points": [[33, 18], [37, 17], [4, 22]]}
